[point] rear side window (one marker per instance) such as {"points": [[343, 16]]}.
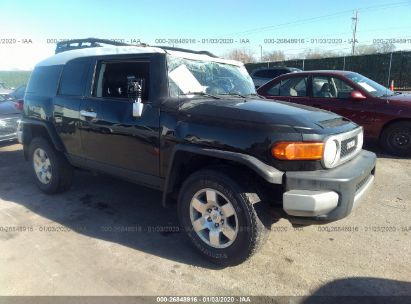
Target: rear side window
{"points": [[74, 77], [44, 80], [296, 86]]}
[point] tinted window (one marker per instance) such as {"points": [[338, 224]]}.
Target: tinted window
{"points": [[269, 73], [274, 90], [112, 78], [275, 73], [261, 73], [44, 80], [331, 87], [74, 77]]}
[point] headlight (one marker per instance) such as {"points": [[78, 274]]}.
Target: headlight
{"points": [[330, 152], [360, 140]]}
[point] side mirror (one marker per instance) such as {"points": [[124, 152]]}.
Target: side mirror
{"points": [[138, 108], [135, 92], [357, 95]]}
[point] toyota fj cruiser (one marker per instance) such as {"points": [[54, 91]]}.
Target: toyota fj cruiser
{"points": [[191, 125]]}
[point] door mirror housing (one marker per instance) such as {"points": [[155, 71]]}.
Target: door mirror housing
{"points": [[357, 95], [138, 109], [135, 87]]}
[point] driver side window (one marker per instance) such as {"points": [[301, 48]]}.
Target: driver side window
{"points": [[112, 78], [330, 87]]}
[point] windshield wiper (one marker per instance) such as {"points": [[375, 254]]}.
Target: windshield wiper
{"points": [[201, 94], [387, 95], [234, 94]]}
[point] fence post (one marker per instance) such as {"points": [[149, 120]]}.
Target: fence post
{"points": [[389, 71], [303, 64], [344, 63]]}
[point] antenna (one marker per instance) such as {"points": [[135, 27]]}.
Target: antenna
{"points": [[354, 32]]}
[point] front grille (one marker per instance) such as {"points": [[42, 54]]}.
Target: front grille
{"points": [[348, 146], [8, 126]]}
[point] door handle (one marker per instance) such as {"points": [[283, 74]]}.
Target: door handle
{"points": [[88, 114]]}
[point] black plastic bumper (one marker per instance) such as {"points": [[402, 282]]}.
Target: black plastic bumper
{"points": [[348, 180]]}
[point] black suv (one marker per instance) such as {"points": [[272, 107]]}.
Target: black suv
{"points": [[191, 125]]}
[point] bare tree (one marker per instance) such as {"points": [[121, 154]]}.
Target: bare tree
{"points": [[274, 56], [317, 54], [384, 47], [243, 55], [375, 48], [364, 49]]}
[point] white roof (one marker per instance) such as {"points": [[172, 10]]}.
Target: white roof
{"points": [[64, 57]]}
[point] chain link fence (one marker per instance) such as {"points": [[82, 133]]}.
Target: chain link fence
{"points": [[382, 68]]}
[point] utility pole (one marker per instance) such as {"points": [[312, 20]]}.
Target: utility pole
{"points": [[354, 32], [261, 53]]}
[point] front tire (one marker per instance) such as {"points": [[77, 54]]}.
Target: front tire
{"points": [[396, 138], [51, 170], [219, 216]]}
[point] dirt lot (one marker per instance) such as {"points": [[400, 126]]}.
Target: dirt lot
{"points": [[75, 243]]}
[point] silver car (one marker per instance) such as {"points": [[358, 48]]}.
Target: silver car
{"points": [[10, 114]]}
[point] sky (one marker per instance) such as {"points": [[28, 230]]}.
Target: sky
{"points": [[29, 29]]}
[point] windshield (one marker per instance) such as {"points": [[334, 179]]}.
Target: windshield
{"points": [[372, 87], [194, 77]]}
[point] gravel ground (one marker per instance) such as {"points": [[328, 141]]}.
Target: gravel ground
{"points": [[73, 243]]}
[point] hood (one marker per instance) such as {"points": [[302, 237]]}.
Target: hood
{"points": [[401, 99], [8, 108], [260, 111]]}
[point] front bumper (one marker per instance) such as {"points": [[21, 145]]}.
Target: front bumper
{"points": [[8, 128], [314, 197]]}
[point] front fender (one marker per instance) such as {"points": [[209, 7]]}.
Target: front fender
{"points": [[268, 173]]}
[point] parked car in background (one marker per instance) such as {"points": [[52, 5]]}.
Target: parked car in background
{"points": [[17, 96], [4, 90], [384, 114], [261, 76], [17, 93], [9, 117]]}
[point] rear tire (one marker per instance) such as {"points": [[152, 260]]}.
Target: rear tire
{"points": [[219, 216], [396, 138], [51, 170]]}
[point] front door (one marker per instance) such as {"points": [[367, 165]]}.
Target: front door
{"points": [[334, 94], [112, 138]]}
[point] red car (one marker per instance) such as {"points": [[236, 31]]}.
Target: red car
{"points": [[384, 114]]}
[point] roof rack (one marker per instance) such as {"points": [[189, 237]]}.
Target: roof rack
{"points": [[169, 48], [74, 44]]}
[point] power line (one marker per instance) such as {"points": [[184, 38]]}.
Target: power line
{"points": [[314, 19]]}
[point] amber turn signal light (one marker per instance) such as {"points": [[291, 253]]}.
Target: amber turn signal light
{"points": [[298, 150]]}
